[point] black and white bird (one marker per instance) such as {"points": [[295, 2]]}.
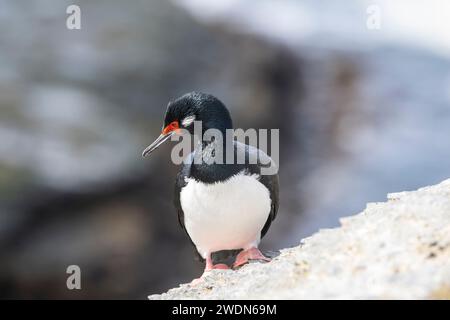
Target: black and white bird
{"points": [[221, 206]]}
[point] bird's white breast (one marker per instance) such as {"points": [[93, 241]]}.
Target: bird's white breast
{"points": [[225, 215]]}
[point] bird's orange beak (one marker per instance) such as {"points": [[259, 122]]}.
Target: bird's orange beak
{"points": [[166, 133]]}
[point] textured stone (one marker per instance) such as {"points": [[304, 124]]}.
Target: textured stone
{"points": [[399, 249]]}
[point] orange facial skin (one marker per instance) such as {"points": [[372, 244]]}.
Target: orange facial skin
{"points": [[173, 126]]}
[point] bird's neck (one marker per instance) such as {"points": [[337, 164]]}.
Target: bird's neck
{"points": [[220, 123], [212, 150], [209, 163], [215, 137]]}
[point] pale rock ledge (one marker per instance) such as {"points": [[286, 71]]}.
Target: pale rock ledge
{"points": [[399, 249]]}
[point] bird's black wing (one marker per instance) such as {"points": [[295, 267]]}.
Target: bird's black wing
{"points": [[179, 184], [270, 181]]}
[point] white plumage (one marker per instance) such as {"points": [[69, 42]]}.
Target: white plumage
{"points": [[225, 215]]}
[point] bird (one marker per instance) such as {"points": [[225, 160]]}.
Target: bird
{"points": [[220, 206]]}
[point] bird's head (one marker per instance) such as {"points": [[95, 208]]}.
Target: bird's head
{"points": [[184, 111]]}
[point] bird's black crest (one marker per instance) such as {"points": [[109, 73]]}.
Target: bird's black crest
{"points": [[205, 107]]}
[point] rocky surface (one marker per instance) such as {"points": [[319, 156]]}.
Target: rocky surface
{"points": [[397, 249]]}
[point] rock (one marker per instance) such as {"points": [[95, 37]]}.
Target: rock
{"points": [[399, 249]]}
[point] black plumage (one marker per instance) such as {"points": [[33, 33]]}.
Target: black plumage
{"points": [[212, 173], [214, 115]]}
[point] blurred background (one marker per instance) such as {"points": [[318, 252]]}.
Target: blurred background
{"points": [[363, 108]]}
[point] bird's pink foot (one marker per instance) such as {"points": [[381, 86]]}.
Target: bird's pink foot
{"points": [[251, 254], [209, 266]]}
